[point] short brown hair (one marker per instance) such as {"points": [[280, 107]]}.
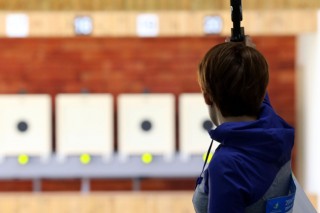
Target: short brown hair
{"points": [[235, 77]]}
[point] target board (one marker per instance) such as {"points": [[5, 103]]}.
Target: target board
{"points": [[25, 125], [194, 124], [146, 124], [84, 124]]}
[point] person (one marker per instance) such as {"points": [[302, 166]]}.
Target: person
{"points": [[252, 163]]}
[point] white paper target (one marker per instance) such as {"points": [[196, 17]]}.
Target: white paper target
{"points": [[146, 124], [25, 125], [84, 124], [194, 123]]}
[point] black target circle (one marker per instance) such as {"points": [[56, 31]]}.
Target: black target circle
{"points": [[22, 126], [207, 125], [146, 125]]}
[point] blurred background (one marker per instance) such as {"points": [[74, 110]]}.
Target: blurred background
{"points": [[100, 108]]}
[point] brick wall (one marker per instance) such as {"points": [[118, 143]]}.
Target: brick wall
{"points": [[128, 65]]}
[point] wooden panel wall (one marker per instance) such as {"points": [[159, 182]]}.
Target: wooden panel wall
{"points": [[151, 4], [173, 202], [169, 202], [130, 65], [171, 23]]}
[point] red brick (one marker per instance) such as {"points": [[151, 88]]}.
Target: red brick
{"points": [[48, 185], [165, 184], [111, 185], [16, 185]]}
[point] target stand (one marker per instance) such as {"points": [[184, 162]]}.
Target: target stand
{"points": [[25, 126], [146, 126], [194, 124], [84, 126]]}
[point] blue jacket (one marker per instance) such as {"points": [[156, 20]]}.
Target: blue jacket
{"points": [[247, 160]]}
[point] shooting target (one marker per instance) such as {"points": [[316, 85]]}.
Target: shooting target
{"points": [[194, 123], [84, 124], [25, 125], [146, 124]]}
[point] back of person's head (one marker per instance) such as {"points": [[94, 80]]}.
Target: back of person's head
{"points": [[235, 78]]}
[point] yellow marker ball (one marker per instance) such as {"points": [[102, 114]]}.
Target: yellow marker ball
{"points": [[209, 157], [85, 158], [147, 158], [23, 159]]}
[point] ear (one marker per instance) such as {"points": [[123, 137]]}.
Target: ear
{"points": [[207, 99]]}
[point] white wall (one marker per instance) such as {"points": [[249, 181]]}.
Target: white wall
{"points": [[308, 108]]}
